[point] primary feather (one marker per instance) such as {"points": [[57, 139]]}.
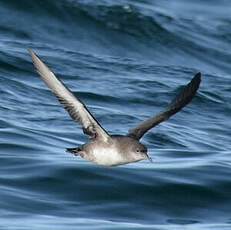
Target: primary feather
{"points": [[74, 106], [181, 100]]}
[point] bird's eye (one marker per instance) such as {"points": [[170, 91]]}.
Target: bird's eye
{"points": [[137, 150]]}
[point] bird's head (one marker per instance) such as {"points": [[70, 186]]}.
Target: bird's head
{"points": [[140, 151]]}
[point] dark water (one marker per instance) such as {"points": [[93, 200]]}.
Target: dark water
{"points": [[125, 60]]}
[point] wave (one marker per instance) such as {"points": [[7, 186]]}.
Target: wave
{"points": [[111, 28], [125, 60]]}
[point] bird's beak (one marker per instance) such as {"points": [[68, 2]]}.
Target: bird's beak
{"points": [[149, 158]]}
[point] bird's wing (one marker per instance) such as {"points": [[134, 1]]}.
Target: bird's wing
{"points": [[74, 106], [181, 100]]}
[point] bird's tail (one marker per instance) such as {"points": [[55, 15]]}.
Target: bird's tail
{"points": [[74, 151]]}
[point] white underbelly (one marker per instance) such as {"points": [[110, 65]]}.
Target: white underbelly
{"points": [[108, 156]]}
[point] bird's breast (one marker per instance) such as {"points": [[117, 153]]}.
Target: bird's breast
{"points": [[107, 156]]}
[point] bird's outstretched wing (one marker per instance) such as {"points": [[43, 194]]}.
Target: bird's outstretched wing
{"points": [[181, 100], [74, 106]]}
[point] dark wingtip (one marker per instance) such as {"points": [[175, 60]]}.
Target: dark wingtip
{"points": [[195, 82], [197, 77], [192, 86], [185, 96], [198, 74]]}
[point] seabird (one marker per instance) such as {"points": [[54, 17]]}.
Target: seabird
{"points": [[102, 148]]}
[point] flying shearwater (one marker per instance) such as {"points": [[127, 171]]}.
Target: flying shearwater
{"points": [[102, 148]]}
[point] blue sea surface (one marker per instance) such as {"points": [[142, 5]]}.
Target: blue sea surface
{"points": [[125, 60]]}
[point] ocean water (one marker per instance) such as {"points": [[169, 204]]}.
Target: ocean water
{"points": [[125, 60]]}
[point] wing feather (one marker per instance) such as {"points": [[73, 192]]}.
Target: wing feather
{"points": [[181, 100], [76, 109]]}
